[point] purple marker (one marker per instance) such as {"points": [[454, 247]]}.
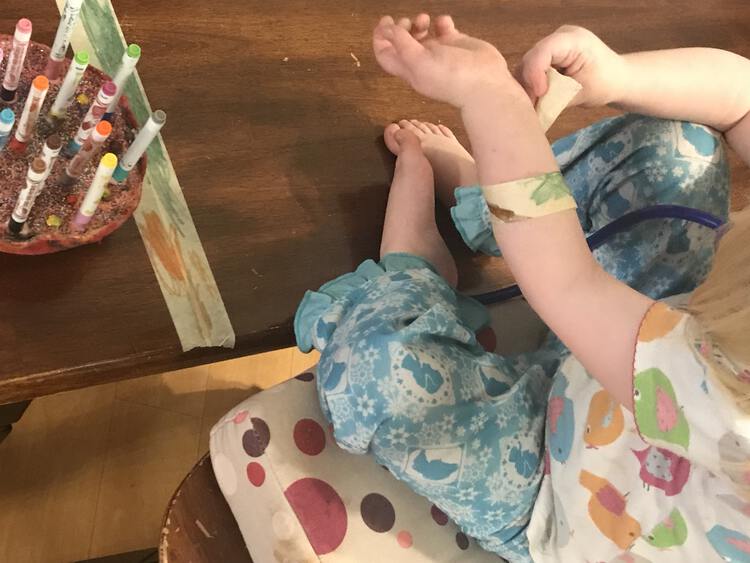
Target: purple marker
{"points": [[17, 56]]}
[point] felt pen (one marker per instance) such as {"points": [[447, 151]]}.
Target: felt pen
{"points": [[93, 116], [90, 147], [50, 152], [7, 119], [95, 192], [127, 65], [30, 115], [68, 87], [21, 39], [141, 142], [34, 184], [62, 39]]}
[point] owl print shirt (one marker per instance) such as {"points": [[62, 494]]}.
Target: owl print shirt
{"points": [[661, 484]]}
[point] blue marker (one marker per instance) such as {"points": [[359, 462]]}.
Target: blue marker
{"points": [[7, 119]]}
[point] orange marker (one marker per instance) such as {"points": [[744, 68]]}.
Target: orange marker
{"points": [[90, 147]]}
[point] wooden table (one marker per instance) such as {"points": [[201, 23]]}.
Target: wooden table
{"points": [[275, 134]]}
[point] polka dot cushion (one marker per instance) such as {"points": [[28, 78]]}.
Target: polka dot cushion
{"points": [[299, 498]]}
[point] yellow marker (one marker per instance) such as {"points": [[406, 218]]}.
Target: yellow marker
{"points": [[94, 194]]}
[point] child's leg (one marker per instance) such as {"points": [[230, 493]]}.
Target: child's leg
{"points": [[402, 375], [630, 162], [410, 225]]}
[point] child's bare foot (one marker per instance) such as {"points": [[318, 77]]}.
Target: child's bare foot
{"points": [[410, 216], [452, 164]]}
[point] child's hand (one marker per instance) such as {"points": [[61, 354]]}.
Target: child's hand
{"points": [[578, 53], [440, 62]]}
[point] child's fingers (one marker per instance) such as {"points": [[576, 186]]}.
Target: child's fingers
{"points": [[407, 47], [420, 26], [385, 51], [554, 50], [444, 25], [532, 72], [518, 75], [405, 23], [447, 34]]}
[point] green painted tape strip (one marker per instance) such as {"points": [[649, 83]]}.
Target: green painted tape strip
{"points": [[163, 217]]}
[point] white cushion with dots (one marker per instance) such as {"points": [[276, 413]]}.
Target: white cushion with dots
{"points": [[297, 497]]}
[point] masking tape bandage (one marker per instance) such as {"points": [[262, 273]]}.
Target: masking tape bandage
{"points": [[528, 198], [560, 92], [545, 194]]}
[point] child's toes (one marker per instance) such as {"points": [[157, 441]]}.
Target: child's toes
{"points": [[389, 136], [407, 141], [433, 128], [447, 132], [421, 126], [410, 125]]}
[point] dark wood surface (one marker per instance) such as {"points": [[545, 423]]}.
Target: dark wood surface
{"points": [[199, 526], [275, 134]]}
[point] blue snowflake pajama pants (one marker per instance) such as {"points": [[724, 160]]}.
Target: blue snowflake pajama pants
{"points": [[402, 375]]}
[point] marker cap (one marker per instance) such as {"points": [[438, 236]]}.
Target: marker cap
{"points": [[23, 30], [53, 142], [134, 51], [102, 131], [7, 117], [82, 58], [41, 83], [109, 88], [109, 160], [37, 168], [159, 117]]}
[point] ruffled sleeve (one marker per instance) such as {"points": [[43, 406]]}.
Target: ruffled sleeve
{"points": [[472, 219]]}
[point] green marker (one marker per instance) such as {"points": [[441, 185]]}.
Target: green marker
{"points": [[129, 59]]}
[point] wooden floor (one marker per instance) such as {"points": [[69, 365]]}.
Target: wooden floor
{"points": [[89, 472]]}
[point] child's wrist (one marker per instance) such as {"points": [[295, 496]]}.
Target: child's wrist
{"points": [[622, 83], [489, 95]]}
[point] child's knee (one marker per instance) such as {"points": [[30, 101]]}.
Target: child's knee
{"points": [[699, 160], [366, 382], [678, 162], [675, 144]]}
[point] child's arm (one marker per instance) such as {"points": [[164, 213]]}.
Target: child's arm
{"points": [[707, 86], [595, 315]]}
